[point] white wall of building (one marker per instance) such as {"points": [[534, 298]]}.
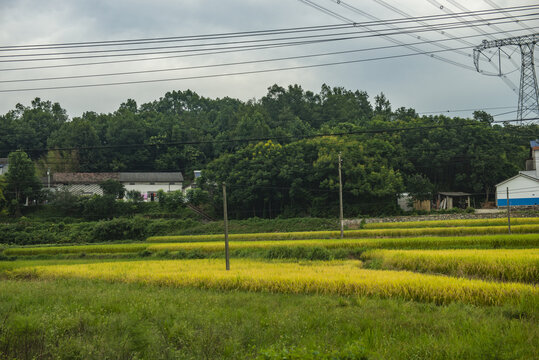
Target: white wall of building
{"points": [[147, 187], [82, 189], [143, 188], [520, 188]]}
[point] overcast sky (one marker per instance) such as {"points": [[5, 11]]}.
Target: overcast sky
{"points": [[422, 82]]}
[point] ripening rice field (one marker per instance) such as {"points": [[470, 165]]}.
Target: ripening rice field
{"points": [[464, 290], [520, 265], [330, 277]]}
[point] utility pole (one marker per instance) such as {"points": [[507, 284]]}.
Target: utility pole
{"points": [[227, 255], [340, 198], [508, 212], [49, 178], [528, 96]]}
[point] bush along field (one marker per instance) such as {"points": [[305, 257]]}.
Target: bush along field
{"points": [[466, 291]]}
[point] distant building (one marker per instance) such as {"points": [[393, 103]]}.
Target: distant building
{"points": [[407, 203], [523, 187], [147, 183], [453, 199], [4, 165]]}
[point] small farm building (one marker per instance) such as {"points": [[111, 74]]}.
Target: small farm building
{"points": [[524, 187]]}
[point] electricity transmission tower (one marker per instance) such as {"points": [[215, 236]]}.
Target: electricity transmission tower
{"points": [[528, 95]]}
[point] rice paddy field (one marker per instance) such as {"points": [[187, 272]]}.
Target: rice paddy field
{"points": [[463, 290]]}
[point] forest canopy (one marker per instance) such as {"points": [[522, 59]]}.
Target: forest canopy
{"points": [[278, 155]]}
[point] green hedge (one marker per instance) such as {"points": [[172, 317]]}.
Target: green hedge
{"points": [[27, 232]]}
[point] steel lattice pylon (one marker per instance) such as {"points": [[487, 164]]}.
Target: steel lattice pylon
{"points": [[528, 95]]}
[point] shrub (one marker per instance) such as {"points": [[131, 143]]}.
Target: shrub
{"points": [[120, 229]]}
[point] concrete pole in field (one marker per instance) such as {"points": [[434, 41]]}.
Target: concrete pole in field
{"points": [[227, 255], [341, 217]]}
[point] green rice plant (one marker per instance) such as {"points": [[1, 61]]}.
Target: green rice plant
{"points": [[368, 233], [319, 277], [499, 264], [75, 249], [452, 223]]}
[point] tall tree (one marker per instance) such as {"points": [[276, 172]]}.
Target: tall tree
{"points": [[22, 182]]}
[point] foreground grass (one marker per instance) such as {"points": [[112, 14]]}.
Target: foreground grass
{"points": [[284, 248], [503, 264], [329, 277], [84, 319], [367, 233]]}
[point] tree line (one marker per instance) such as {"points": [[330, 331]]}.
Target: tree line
{"points": [[291, 169]]}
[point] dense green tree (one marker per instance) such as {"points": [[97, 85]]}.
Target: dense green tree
{"points": [[3, 200], [183, 131], [113, 188], [419, 187], [22, 182]]}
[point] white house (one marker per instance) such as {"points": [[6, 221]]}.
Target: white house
{"points": [[147, 183], [3, 166], [523, 187]]}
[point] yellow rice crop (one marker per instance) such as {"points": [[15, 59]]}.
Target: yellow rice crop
{"points": [[498, 264], [499, 241], [368, 233], [332, 277], [452, 223]]}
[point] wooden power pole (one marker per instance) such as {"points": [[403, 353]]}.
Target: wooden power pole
{"points": [[508, 212], [341, 217], [227, 255]]}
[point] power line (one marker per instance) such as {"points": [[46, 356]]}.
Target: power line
{"points": [[229, 50], [504, 78], [363, 13], [195, 77], [463, 110], [445, 33], [222, 64], [366, 34], [259, 32], [369, 16]]}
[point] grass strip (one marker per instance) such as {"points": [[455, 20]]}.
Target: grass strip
{"points": [[520, 265], [329, 277]]}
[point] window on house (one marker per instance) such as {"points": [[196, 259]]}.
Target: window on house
{"points": [[131, 183], [172, 183]]}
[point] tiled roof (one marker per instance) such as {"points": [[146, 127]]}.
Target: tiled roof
{"points": [[83, 178], [151, 177], [96, 178]]}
